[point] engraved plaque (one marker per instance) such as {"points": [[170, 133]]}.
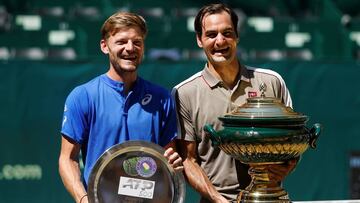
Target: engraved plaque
{"points": [[135, 171]]}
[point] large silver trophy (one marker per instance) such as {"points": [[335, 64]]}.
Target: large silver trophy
{"points": [[263, 133], [135, 172]]}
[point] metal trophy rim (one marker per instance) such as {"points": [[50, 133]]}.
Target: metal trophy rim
{"points": [[133, 146]]}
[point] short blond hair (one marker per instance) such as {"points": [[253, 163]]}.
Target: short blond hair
{"points": [[120, 20]]}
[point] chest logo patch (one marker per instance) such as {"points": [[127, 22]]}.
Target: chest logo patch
{"points": [[146, 100], [252, 94]]}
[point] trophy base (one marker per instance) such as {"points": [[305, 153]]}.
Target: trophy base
{"points": [[276, 195], [263, 187]]}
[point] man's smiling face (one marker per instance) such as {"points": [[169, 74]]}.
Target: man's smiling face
{"points": [[218, 38]]}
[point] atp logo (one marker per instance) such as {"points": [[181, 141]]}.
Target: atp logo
{"points": [[146, 100]]}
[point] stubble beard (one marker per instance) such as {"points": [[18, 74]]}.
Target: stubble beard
{"points": [[115, 62]]}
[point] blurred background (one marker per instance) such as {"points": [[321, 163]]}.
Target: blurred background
{"points": [[49, 47]]}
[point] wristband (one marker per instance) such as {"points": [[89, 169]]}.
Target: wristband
{"points": [[82, 197]]}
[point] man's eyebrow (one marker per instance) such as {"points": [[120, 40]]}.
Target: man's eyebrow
{"points": [[229, 29], [225, 30], [209, 31]]}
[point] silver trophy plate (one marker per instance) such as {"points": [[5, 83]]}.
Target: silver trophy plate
{"points": [[135, 172]]}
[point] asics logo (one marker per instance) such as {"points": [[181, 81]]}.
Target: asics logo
{"points": [[64, 121], [146, 100]]}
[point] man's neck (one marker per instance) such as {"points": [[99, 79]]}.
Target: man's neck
{"points": [[128, 78], [227, 73]]}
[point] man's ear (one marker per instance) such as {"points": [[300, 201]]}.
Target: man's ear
{"points": [[103, 46], [198, 40]]}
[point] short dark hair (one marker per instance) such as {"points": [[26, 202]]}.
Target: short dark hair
{"points": [[214, 9]]}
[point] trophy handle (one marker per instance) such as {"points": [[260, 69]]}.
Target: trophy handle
{"points": [[314, 134], [214, 136]]}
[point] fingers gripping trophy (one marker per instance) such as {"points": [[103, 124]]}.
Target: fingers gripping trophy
{"points": [[270, 138]]}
